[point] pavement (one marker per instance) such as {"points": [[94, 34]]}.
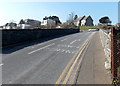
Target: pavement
{"points": [[92, 70]]}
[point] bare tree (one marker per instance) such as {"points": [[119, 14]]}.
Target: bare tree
{"points": [[71, 18]]}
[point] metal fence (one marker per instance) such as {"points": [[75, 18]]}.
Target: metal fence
{"points": [[115, 54], [111, 44]]}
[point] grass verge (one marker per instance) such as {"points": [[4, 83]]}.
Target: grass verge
{"points": [[88, 27]]}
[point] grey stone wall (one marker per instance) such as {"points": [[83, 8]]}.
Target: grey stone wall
{"points": [[14, 36]]}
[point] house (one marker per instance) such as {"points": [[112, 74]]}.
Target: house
{"points": [[29, 24], [84, 21], [1, 27], [50, 21], [10, 25], [77, 21], [87, 21]]}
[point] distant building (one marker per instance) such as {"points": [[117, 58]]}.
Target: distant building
{"points": [[1, 27], [50, 21], [84, 21], [77, 21], [87, 21], [10, 26], [29, 24]]}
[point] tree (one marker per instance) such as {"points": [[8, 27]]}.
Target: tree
{"points": [[104, 20], [21, 22], [75, 17], [70, 20]]}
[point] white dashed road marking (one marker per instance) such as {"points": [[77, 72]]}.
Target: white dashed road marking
{"points": [[41, 48], [73, 41]]}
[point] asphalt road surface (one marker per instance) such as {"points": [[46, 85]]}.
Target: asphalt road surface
{"points": [[40, 63]]}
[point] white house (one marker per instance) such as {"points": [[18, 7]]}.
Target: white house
{"points": [[47, 22], [10, 26], [29, 24], [77, 22]]}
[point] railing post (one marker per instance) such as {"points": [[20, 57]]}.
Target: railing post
{"points": [[114, 58], [119, 55]]}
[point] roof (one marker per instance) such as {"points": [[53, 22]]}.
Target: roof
{"points": [[80, 18], [86, 17]]}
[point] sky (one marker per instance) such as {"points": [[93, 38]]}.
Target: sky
{"points": [[15, 11]]}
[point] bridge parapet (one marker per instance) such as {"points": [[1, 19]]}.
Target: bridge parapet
{"points": [[106, 43]]}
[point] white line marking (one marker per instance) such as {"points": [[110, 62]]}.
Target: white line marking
{"points": [[40, 44], [64, 39], [1, 64], [79, 39], [62, 50], [41, 48], [73, 41], [67, 51], [58, 50], [70, 46], [73, 52]]}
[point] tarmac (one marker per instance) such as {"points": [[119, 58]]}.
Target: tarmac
{"points": [[92, 70]]}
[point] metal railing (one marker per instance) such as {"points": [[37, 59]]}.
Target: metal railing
{"points": [[115, 55], [111, 44]]}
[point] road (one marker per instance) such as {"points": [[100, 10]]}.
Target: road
{"points": [[41, 63]]}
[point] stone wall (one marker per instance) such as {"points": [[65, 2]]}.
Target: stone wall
{"points": [[14, 36]]}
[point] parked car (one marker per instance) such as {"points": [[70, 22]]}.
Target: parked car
{"points": [[93, 29]]}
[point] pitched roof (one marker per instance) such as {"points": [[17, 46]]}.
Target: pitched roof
{"points": [[87, 17], [80, 18]]}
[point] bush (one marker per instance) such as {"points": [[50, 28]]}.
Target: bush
{"points": [[68, 26]]}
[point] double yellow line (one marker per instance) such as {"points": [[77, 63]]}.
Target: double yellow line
{"points": [[69, 68]]}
